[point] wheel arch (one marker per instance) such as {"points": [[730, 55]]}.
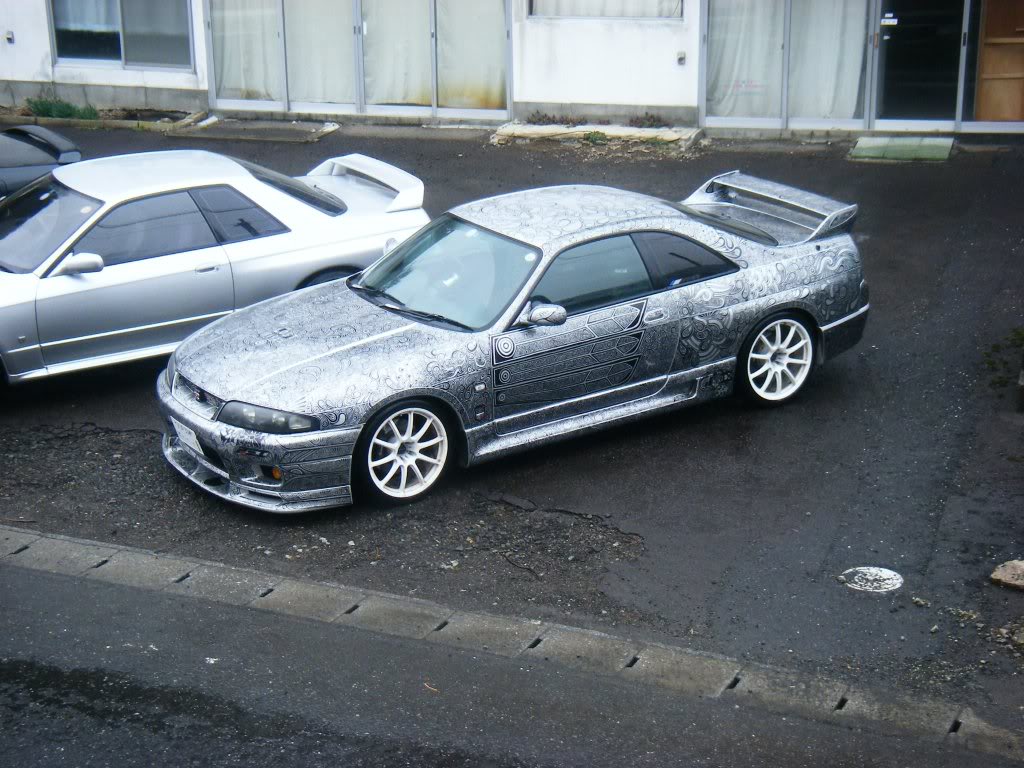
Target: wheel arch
{"points": [[799, 310], [447, 409], [347, 268]]}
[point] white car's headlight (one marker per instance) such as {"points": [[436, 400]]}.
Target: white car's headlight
{"points": [[260, 419]]}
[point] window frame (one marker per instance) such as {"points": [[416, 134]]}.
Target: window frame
{"points": [[69, 61], [531, 14], [629, 233], [285, 229], [101, 215]]}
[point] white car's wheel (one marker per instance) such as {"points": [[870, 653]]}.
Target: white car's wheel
{"points": [[405, 452], [777, 359]]}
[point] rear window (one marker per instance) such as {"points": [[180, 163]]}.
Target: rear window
{"points": [[315, 198], [721, 217], [233, 216]]}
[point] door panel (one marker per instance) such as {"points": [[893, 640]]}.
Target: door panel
{"points": [[131, 306], [597, 359]]}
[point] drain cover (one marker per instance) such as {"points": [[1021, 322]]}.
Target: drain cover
{"points": [[868, 578]]}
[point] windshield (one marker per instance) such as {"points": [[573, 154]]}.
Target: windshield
{"points": [[452, 270], [36, 220]]}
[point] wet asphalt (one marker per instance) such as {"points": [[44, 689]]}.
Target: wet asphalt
{"points": [[723, 527]]}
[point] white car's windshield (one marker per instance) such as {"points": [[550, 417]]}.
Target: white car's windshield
{"points": [[37, 219], [452, 271]]}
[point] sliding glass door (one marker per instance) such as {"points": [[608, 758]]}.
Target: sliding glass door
{"points": [[378, 56], [745, 59]]}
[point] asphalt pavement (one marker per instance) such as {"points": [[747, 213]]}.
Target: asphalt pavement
{"points": [[722, 527]]}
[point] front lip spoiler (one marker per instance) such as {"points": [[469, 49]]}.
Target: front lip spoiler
{"points": [[215, 481]]}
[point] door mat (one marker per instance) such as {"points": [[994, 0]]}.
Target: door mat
{"points": [[902, 148], [300, 132]]}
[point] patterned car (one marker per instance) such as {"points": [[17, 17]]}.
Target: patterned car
{"points": [[508, 323]]}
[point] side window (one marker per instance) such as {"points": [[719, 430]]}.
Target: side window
{"points": [[675, 260], [233, 216], [143, 229], [594, 275]]}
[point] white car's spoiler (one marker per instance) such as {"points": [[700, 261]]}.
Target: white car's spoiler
{"points": [[811, 216], [408, 189]]}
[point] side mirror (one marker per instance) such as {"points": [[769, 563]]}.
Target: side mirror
{"points": [[390, 245], [543, 315], [79, 264]]}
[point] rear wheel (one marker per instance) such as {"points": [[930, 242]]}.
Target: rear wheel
{"points": [[776, 359], [404, 452]]}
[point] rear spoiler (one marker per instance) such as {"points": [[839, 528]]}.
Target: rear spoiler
{"points": [[816, 215], [65, 150], [407, 188]]}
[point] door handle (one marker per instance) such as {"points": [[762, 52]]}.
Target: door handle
{"points": [[207, 268]]}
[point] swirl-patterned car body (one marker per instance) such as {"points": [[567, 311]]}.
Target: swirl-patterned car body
{"points": [[711, 277]]}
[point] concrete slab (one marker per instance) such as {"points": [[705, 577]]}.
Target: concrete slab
{"points": [[785, 690], [590, 651], [322, 602], [12, 540], [902, 148], [141, 569], [224, 585], [292, 131], [684, 137], [395, 616], [60, 556], [684, 671], [890, 713], [483, 632]]}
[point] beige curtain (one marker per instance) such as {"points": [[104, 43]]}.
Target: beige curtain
{"points": [[321, 50], [745, 58], [396, 52], [247, 49], [626, 8], [826, 58], [471, 54]]}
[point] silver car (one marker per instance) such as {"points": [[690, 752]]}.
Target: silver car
{"points": [[121, 258], [508, 323]]}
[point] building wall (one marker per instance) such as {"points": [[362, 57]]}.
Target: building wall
{"points": [[604, 67], [27, 68]]}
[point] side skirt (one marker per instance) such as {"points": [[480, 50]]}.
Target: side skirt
{"points": [[684, 388]]}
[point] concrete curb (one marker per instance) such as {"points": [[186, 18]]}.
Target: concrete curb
{"points": [[683, 138], [99, 124], [677, 669]]}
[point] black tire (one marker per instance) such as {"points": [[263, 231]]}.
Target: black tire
{"points": [[327, 277], [395, 490], [756, 375]]}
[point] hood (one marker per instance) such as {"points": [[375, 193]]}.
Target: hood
{"points": [[303, 351]]}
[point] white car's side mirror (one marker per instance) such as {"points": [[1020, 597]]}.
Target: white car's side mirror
{"points": [[79, 264]]}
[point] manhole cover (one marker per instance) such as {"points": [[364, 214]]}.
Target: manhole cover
{"points": [[871, 579]]}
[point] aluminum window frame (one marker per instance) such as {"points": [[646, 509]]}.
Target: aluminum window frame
{"points": [[530, 14], [57, 60]]}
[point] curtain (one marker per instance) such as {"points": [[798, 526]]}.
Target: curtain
{"points": [[471, 54], [745, 58], [826, 64], [626, 8], [87, 15], [396, 52], [247, 49], [321, 50]]}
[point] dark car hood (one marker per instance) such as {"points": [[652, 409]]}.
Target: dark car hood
{"points": [[286, 352]]}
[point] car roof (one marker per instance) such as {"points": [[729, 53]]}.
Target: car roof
{"points": [[548, 214], [126, 176]]}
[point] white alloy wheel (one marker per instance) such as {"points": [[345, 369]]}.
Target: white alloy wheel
{"points": [[407, 453], [780, 359]]}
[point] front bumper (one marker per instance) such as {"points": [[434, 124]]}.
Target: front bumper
{"points": [[315, 466]]}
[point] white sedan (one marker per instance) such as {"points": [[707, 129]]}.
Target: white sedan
{"points": [[121, 258]]}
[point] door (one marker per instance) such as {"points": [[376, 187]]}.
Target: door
{"points": [[918, 59], [617, 344], [397, 59], [471, 54], [164, 277], [247, 40]]}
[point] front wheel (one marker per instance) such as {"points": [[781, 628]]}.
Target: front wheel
{"points": [[404, 452], [776, 359]]}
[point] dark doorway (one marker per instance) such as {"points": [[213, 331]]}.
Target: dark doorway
{"points": [[919, 59]]}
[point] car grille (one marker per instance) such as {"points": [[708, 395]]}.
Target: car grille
{"points": [[195, 398]]}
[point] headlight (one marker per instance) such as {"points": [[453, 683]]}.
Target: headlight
{"points": [[261, 419], [172, 368]]}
